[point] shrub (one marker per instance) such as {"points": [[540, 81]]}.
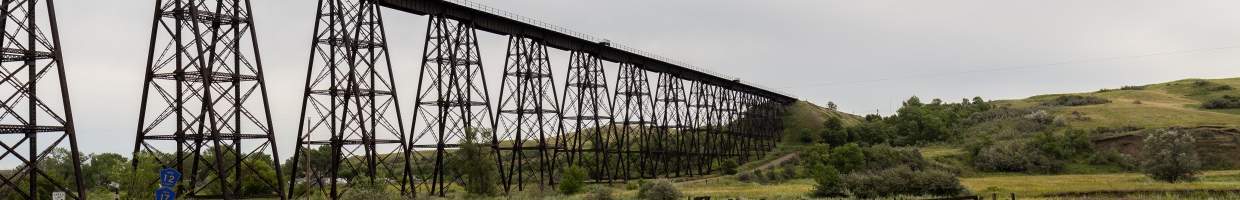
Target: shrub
{"points": [[572, 179], [1014, 156], [1069, 144], [1132, 88], [599, 192], [772, 176], [827, 181], [1170, 156], [659, 190], [745, 177], [1225, 102], [789, 171], [476, 166], [847, 158], [1113, 158], [1076, 100], [902, 181], [362, 190], [729, 166], [1041, 117], [885, 156]]}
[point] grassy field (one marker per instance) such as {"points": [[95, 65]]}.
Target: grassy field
{"points": [[1099, 185], [1176, 103], [1213, 185]]}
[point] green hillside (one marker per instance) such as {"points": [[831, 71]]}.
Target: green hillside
{"points": [[1177, 103]]}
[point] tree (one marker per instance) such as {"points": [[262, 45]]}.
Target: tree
{"points": [[476, 166], [1170, 156], [827, 181], [572, 179], [831, 105], [847, 158], [104, 169], [816, 154], [833, 132]]}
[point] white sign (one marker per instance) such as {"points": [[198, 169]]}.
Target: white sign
{"points": [[58, 195]]}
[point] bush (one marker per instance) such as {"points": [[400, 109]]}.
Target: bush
{"points": [[1014, 156], [1076, 100], [1112, 157], [729, 166], [572, 179], [1225, 102], [827, 182], [1069, 144], [884, 156], [772, 176], [367, 191], [476, 166], [789, 171], [745, 177], [659, 190], [598, 192], [902, 181], [847, 158], [1170, 156], [1132, 88]]}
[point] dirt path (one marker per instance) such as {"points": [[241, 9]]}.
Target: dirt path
{"points": [[765, 166]]}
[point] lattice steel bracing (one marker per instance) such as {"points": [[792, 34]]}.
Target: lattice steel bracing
{"points": [[700, 109], [350, 127], [587, 118], [528, 116], [204, 107], [34, 124], [452, 98], [672, 140], [634, 109]]}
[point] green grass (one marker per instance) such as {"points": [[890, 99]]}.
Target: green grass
{"points": [[1176, 103], [1051, 185]]}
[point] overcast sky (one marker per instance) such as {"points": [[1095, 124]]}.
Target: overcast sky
{"points": [[865, 55]]}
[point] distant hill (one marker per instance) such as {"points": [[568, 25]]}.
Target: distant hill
{"points": [[804, 115], [1171, 104]]}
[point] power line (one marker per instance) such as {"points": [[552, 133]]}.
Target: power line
{"points": [[1020, 67]]}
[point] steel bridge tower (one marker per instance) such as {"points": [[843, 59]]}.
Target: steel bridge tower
{"points": [[672, 115], [204, 107], [34, 126], [587, 118], [634, 107], [452, 100], [528, 115], [350, 113]]}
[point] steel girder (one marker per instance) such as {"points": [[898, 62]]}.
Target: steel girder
{"points": [[33, 126], [205, 102], [350, 116], [528, 115], [452, 98]]}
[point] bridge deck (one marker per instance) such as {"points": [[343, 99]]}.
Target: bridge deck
{"points": [[492, 21]]}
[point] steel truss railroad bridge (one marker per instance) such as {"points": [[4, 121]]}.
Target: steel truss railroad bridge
{"points": [[205, 110]]}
